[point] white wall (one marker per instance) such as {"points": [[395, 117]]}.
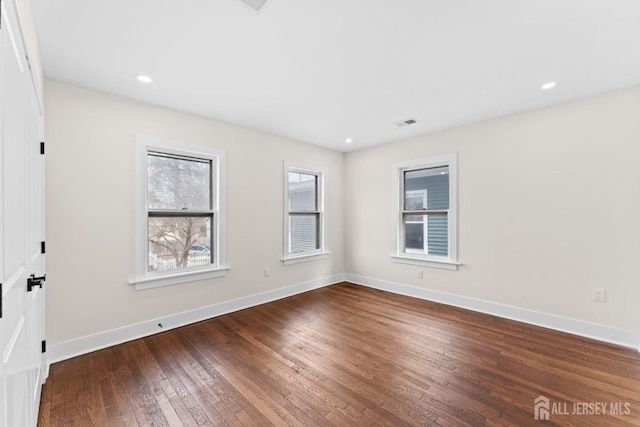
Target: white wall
{"points": [[90, 212], [549, 208]]}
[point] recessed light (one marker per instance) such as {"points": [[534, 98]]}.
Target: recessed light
{"points": [[348, 140], [548, 85], [143, 79]]}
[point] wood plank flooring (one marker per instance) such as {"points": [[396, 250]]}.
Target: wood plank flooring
{"points": [[347, 355]]}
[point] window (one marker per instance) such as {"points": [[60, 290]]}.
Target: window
{"points": [[304, 214], [180, 212], [426, 217]]}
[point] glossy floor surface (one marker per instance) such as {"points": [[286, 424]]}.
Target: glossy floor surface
{"points": [[346, 355]]}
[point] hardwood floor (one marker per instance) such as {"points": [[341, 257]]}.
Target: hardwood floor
{"points": [[347, 355]]}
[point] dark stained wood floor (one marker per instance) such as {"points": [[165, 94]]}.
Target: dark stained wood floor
{"points": [[346, 355]]}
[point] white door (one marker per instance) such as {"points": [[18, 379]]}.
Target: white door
{"points": [[21, 230]]}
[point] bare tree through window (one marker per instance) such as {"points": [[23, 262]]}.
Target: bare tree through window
{"points": [[180, 211]]}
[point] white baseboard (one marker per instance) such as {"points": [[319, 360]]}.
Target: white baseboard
{"points": [[87, 344], [623, 337], [76, 347]]}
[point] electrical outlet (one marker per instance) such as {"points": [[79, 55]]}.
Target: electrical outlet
{"points": [[419, 274], [599, 295], [266, 272]]}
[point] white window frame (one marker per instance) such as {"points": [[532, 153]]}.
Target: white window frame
{"points": [[403, 256], [311, 255], [218, 268]]}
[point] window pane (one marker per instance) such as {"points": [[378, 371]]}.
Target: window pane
{"points": [[177, 242], [414, 233], [432, 229], [303, 189], [303, 233], [438, 241], [178, 182], [426, 189]]}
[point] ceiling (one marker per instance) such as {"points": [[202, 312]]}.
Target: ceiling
{"points": [[325, 70]]}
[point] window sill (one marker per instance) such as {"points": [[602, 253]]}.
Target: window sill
{"points": [[423, 262], [177, 278], [305, 258]]}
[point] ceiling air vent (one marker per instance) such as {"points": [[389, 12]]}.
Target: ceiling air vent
{"points": [[406, 122], [254, 4]]}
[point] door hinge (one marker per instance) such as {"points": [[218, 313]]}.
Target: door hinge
{"points": [[0, 300], [44, 346], [42, 147], [42, 248]]}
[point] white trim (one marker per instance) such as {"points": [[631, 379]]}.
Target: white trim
{"points": [[143, 279], [316, 254], [305, 258], [76, 347], [87, 344], [177, 278], [450, 160], [623, 337], [445, 264]]}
